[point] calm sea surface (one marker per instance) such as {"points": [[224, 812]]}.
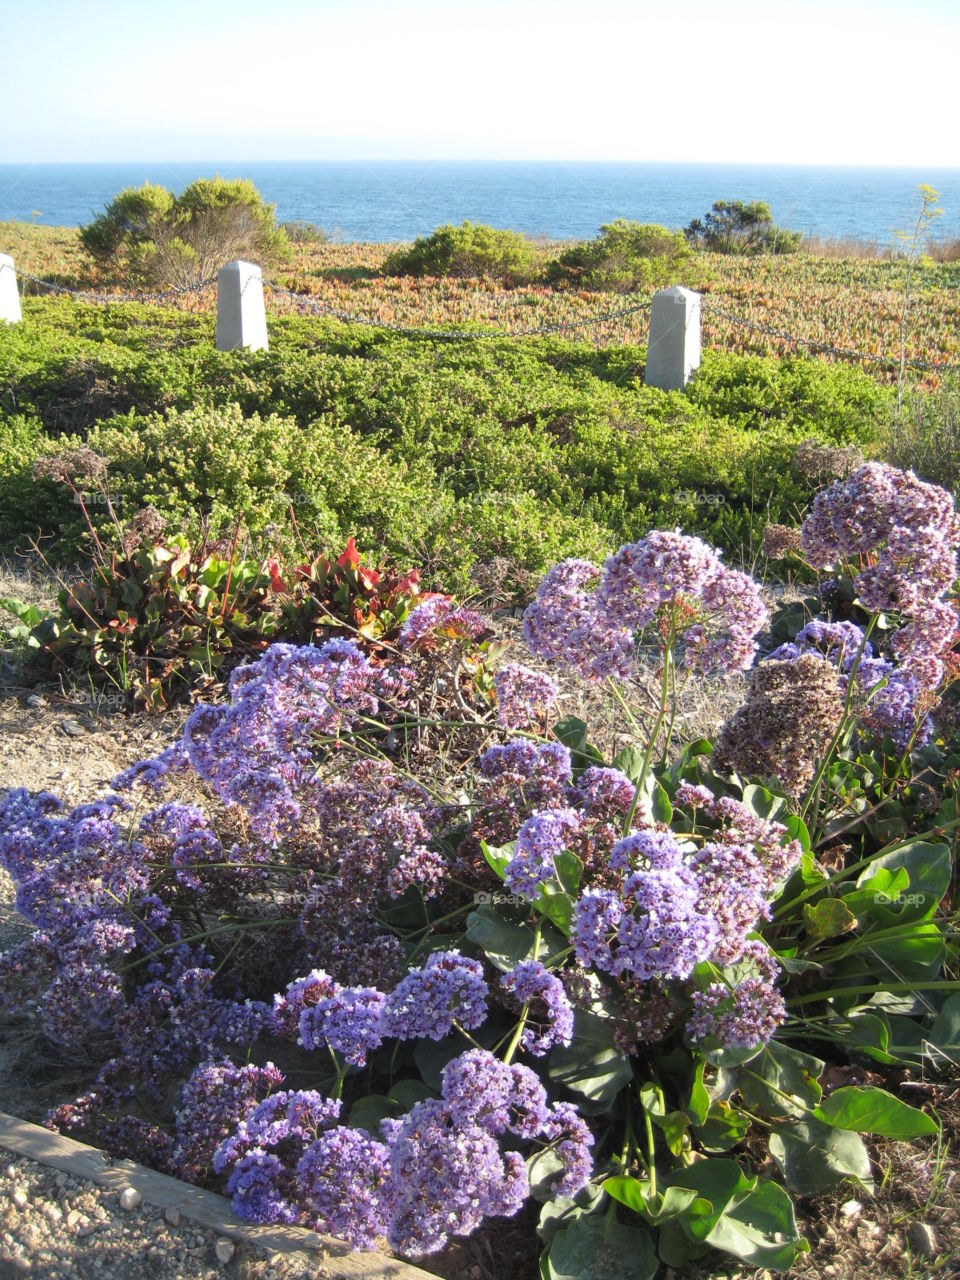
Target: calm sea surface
{"points": [[397, 201]]}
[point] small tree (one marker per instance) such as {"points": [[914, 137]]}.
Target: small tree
{"points": [[624, 256], [734, 226], [470, 250], [167, 240], [912, 245]]}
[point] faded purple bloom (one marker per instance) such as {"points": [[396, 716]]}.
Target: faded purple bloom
{"points": [[523, 695]]}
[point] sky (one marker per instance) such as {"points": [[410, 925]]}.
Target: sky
{"points": [[870, 82]]}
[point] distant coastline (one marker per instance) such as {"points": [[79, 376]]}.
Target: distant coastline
{"points": [[396, 201]]}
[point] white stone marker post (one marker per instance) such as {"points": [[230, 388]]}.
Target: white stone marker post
{"points": [[9, 298], [241, 319], [673, 349]]}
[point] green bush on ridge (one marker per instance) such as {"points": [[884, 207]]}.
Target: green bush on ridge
{"points": [[624, 256], [472, 249]]}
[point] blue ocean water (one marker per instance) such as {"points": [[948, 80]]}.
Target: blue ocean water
{"points": [[397, 201]]}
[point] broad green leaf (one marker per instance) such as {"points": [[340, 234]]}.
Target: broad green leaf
{"points": [[675, 1247], [829, 917], [569, 870], [763, 802], [636, 1195], [716, 1181], [781, 1081], [506, 943], [557, 905], [629, 760], [562, 1210], [591, 1065], [498, 859], [368, 1111], [723, 1128], [598, 1247], [929, 869], [814, 1157], [865, 1109], [572, 732], [407, 1093], [945, 1032], [699, 1103], [761, 1229]]}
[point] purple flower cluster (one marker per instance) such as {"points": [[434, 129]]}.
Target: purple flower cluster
{"points": [[215, 1099], [449, 988], [438, 1173], [349, 1021], [540, 840], [256, 750], [588, 618], [902, 535], [440, 619], [746, 1013], [549, 1011], [653, 928], [446, 1166], [523, 695]]}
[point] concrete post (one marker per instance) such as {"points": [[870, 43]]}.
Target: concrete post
{"points": [[241, 319], [9, 298], [673, 350]]}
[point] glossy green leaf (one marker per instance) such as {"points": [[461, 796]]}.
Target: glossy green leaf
{"points": [[866, 1109]]}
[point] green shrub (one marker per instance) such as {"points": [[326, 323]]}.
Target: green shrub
{"points": [[299, 231], [151, 235], [734, 226], [469, 250], [624, 256], [925, 438], [441, 454]]}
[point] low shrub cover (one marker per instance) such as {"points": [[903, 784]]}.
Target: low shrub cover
{"points": [[436, 453], [367, 997]]}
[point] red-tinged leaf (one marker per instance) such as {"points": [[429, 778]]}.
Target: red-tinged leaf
{"points": [[350, 556]]}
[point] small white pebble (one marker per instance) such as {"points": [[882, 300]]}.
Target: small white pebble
{"points": [[850, 1208], [172, 1216], [225, 1250], [20, 1198], [130, 1197], [73, 1217]]}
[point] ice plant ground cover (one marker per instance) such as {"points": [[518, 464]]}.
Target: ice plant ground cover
{"points": [[602, 993]]}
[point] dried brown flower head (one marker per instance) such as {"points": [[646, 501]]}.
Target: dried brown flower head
{"points": [[779, 541], [71, 464], [821, 462], [783, 729]]}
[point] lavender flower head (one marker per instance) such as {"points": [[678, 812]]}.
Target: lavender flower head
{"points": [[523, 695], [550, 1013], [594, 631]]}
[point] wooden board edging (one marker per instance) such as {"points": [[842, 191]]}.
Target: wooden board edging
{"points": [[206, 1208]]}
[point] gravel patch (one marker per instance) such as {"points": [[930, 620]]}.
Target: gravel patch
{"points": [[59, 1227]]}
